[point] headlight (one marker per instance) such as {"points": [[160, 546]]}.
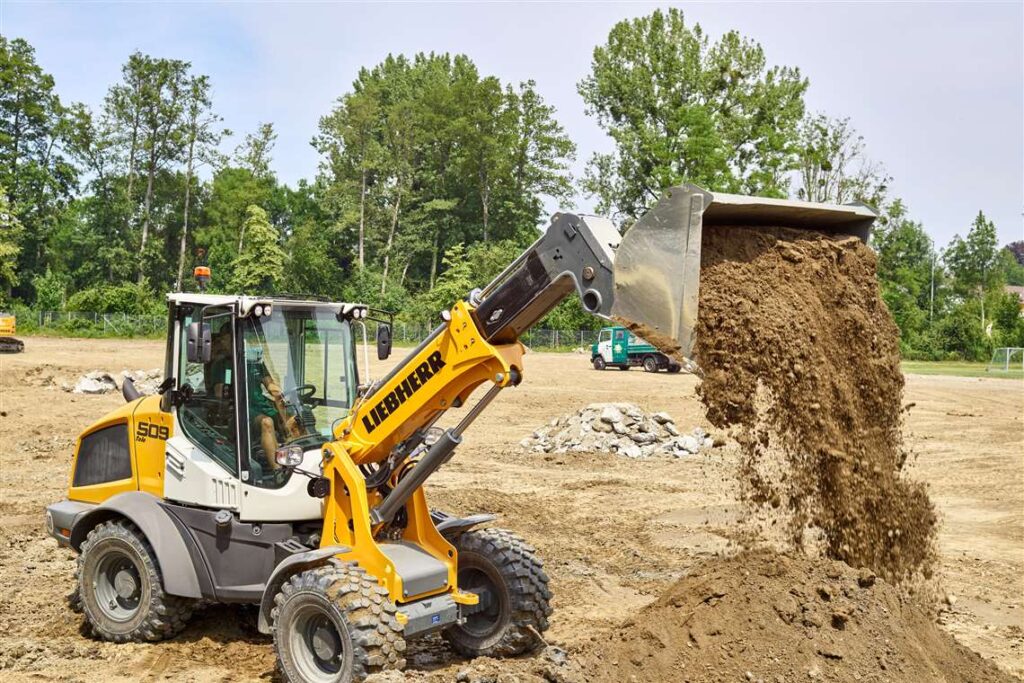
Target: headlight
{"points": [[288, 456], [258, 310]]}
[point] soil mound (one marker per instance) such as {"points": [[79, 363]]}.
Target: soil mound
{"points": [[801, 359], [762, 616]]}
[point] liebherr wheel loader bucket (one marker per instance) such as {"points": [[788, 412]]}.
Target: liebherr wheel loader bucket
{"points": [[657, 262]]}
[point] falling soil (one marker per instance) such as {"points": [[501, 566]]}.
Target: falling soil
{"points": [[801, 360], [764, 616]]}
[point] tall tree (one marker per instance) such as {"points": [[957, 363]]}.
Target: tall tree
{"points": [[973, 261], [254, 152], [201, 140], [253, 155], [682, 109], [37, 174], [260, 266], [146, 114], [833, 166], [10, 247]]}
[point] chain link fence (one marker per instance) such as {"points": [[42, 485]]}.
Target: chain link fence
{"points": [[86, 324], [75, 323]]}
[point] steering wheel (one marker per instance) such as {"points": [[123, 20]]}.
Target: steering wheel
{"points": [[304, 392]]}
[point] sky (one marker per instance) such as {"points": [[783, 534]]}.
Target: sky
{"points": [[936, 89]]}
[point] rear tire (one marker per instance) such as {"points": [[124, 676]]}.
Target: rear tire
{"points": [[599, 363], [624, 367], [120, 587], [514, 598], [650, 364], [335, 623], [675, 368]]}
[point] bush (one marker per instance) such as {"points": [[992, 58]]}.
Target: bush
{"points": [[132, 299]]}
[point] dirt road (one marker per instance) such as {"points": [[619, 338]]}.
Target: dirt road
{"points": [[614, 533]]}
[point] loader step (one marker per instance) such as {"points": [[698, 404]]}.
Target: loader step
{"points": [[421, 572]]}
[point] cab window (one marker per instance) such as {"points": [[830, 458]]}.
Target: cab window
{"points": [[300, 381], [207, 415]]}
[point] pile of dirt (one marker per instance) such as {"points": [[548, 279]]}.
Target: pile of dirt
{"points": [[621, 428], [763, 616], [801, 360]]}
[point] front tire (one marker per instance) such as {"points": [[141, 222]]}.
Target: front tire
{"points": [[335, 624], [120, 587], [650, 364], [514, 598], [599, 363]]}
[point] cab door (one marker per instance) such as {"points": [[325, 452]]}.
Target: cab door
{"points": [[604, 344], [201, 465], [620, 346]]}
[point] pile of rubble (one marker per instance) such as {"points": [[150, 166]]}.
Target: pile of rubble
{"points": [[99, 382], [621, 428]]}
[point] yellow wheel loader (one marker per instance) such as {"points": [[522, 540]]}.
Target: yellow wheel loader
{"points": [[268, 472], [8, 328]]}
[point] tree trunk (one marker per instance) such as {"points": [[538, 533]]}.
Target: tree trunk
{"points": [[485, 196], [391, 240], [184, 227], [133, 150], [362, 217], [433, 258], [147, 207]]}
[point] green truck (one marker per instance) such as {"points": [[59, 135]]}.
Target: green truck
{"points": [[617, 347]]}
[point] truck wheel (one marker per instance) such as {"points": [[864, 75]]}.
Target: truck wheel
{"points": [[674, 368], [599, 363], [514, 603], [650, 364], [335, 623], [120, 588], [624, 367]]}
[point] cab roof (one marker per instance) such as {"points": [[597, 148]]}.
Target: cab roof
{"points": [[247, 301]]}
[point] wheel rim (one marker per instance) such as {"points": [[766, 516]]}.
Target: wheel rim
{"points": [[650, 365], [118, 586], [318, 645], [494, 603]]}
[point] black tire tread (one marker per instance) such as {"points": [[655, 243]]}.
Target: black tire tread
{"points": [[377, 636], [527, 583], [167, 615]]}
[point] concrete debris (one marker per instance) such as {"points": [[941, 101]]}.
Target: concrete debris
{"points": [[99, 382], [95, 382], [620, 428]]}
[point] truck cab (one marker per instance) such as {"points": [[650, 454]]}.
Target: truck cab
{"points": [[617, 347]]}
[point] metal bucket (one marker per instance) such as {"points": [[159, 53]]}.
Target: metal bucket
{"points": [[657, 262]]}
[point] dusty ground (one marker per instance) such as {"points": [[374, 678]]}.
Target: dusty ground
{"points": [[614, 533]]}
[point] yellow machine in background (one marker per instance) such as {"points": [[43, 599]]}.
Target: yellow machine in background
{"points": [[269, 472], [8, 328]]}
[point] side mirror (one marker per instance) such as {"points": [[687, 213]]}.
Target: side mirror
{"points": [[198, 343], [383, 342]]}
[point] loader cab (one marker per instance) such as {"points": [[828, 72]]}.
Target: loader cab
{"points": [[252, 377]]}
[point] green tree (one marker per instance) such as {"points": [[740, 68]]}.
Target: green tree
{"points": [[682, 109], [259, 267], [10, 247], [36, 171], [974, 262], [254, 153], [832, 164], [201, 140], [146, 116]]}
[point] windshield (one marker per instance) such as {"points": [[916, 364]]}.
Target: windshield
{"points": [[300, 379]]}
